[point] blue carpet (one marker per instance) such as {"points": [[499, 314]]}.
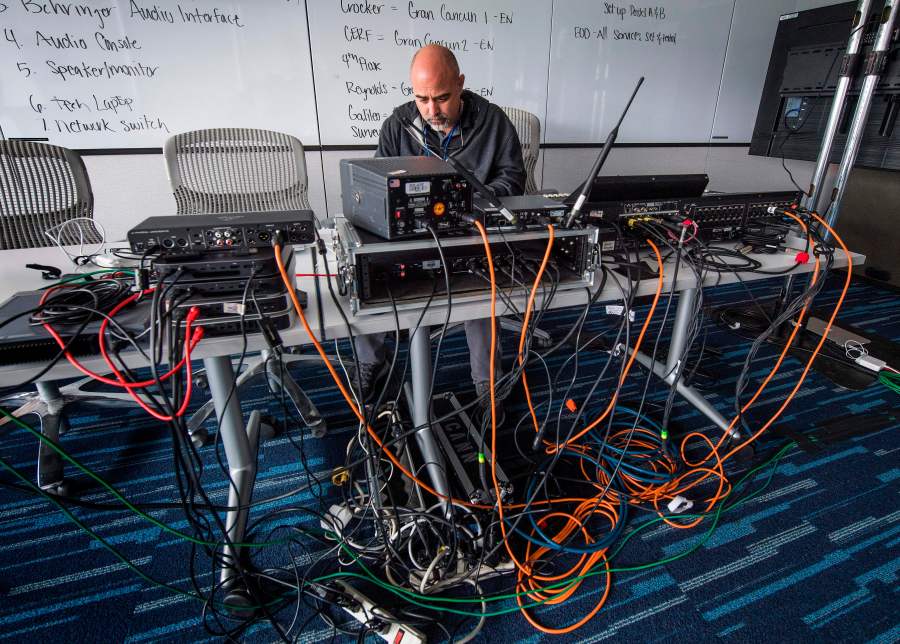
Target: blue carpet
{"points": [[813, 557]]}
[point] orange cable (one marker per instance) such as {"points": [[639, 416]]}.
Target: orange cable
{"points": [[290, 289], [527, 318], [821, 342], [347, 397], [631, 358], [524, 569]]}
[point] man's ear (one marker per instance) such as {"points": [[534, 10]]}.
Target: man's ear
{"points": [[462, 81]]}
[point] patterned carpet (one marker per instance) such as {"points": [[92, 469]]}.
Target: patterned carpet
{"points": [[811, 555]]}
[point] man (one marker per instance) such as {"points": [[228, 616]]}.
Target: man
{"points": [[454, 122]]}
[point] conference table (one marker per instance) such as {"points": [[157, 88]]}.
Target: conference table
{"points": [[240, 438]]}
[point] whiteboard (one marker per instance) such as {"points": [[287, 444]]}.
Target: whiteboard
{"points": [[331, 77], [127, 74], [362, 52], [598, 51]]}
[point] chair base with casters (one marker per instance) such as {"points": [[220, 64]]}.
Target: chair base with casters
{"points": [[542, 339], [278, 380], [49, 404], [50, 401]]}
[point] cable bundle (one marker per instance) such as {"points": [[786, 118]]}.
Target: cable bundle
{"points": [[380, 523], [621, 462]]}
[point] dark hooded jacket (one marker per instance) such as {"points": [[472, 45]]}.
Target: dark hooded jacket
{"points": [[485, 141]]}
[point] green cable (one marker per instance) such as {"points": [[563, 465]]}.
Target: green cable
{"points": [[115, 551], [412, 596], [59, 450], [82, 276], [890, 380], [723, 507], [74, 519]]}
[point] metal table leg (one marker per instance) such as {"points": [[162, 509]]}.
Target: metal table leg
{"points": [[282, 379], [277, 380], [670, 371], [420, 361], [241, 444]]}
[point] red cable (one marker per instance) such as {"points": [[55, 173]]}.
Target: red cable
{"points": [[104, 324], [190, 341]]}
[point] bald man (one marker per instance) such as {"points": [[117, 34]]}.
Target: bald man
{"points": [[451, 121]]}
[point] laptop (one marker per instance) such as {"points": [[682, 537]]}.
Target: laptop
{"points": [[642, 187]]}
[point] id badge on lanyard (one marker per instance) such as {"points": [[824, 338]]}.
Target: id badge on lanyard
{"points": [[444, 143]]}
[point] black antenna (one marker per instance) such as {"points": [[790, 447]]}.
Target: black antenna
{"points": [[601, 159]]}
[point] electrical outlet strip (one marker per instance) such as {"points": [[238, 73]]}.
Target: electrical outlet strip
{"points": [[366, 612]]}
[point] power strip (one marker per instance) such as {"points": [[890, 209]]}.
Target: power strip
{"points": [[386, 625]]}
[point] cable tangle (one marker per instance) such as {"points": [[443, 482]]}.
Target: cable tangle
{"points": [[604, 460]]}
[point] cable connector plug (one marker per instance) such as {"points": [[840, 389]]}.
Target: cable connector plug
{"points": [[679, 504], [278, 238], [47, 272], [270, 334], [469, 219], [823, 250], [340, 476], [141, 280], [802, 257], [192, 315], [870, 362]]}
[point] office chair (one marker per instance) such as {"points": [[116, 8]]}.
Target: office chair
{"points": [[243, 170], [528, 127], [44, 187]]}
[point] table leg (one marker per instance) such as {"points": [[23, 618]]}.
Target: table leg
{"points": [[241, 444], [670, 371], [420, 362]]}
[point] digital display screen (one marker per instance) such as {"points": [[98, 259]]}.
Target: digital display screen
{"points": [[418, 187]]}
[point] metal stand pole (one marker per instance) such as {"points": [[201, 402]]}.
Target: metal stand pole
{"points": [[241, 445], [849, 66], [874, 66], [420, 362], [670, 371]]}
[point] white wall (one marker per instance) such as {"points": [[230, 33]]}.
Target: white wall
{"points": [[730, 169], [130, 188], [330, 161]]}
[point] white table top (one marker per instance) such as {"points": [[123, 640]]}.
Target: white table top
{"points": [[14, 278]]}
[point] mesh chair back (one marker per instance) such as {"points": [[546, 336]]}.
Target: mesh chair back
{"points": [[236, 170], [528, 127], [41, 188]]}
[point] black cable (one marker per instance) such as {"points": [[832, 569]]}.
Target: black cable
{"points": [[437, 357]]}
